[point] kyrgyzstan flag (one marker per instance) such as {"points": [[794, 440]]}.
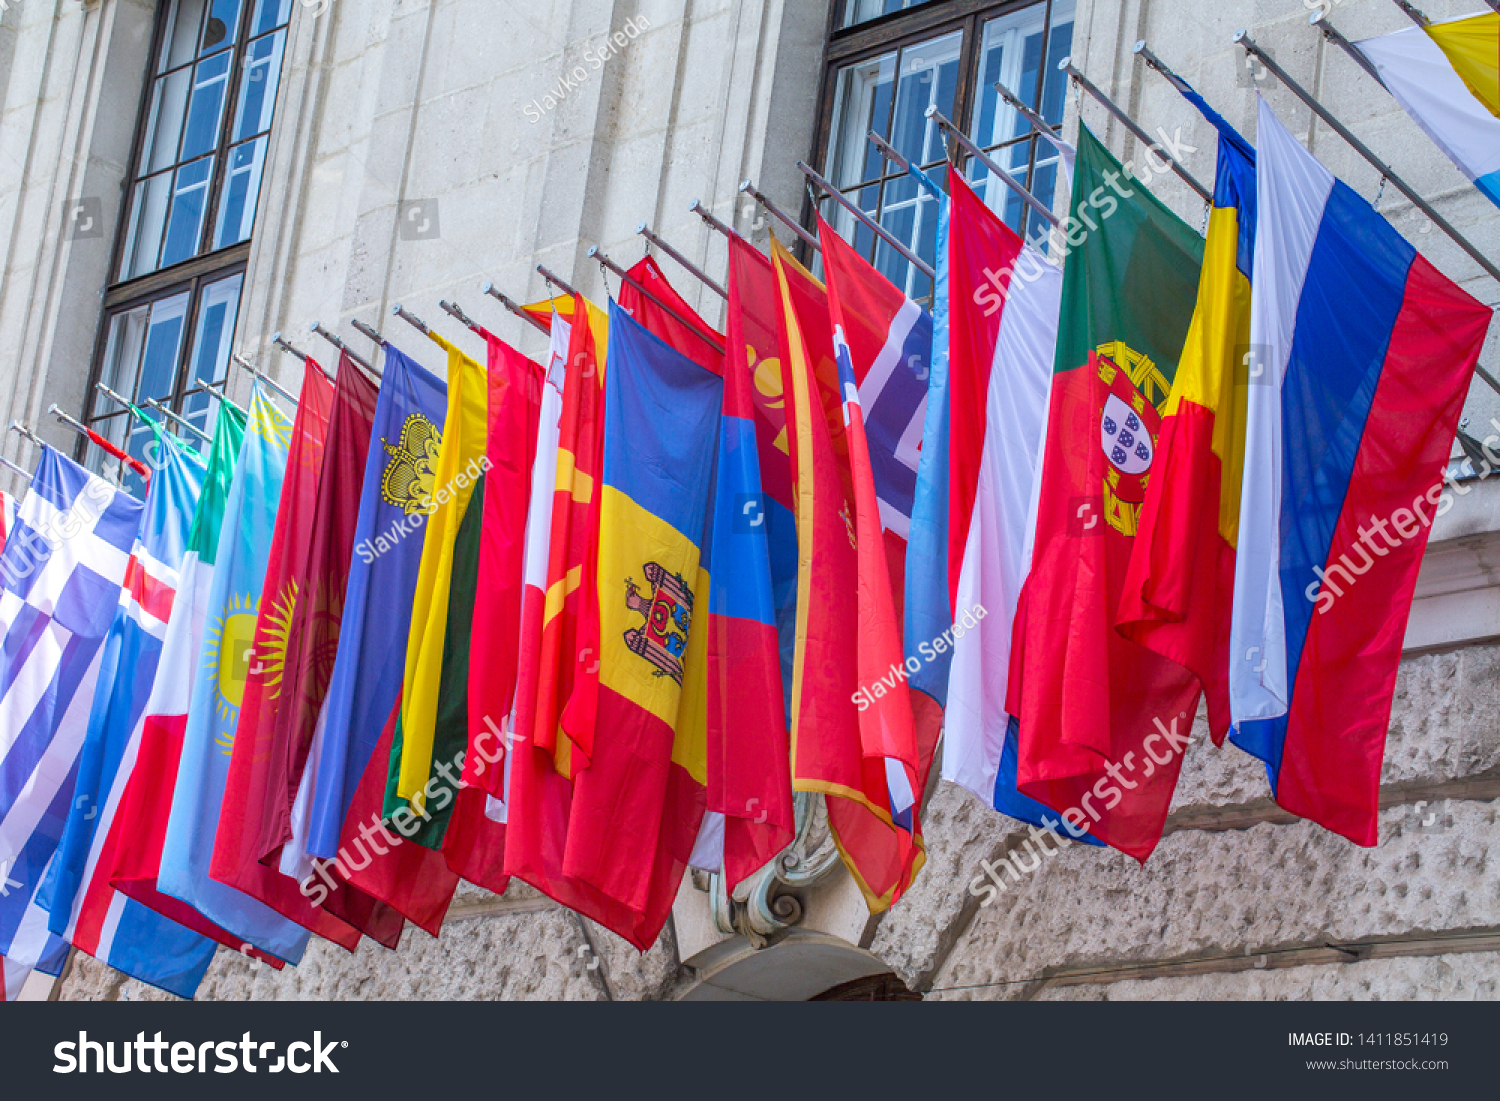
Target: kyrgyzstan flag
{"points": [[1179, 590], [637, 808], [856, 749], [1104, 722]]}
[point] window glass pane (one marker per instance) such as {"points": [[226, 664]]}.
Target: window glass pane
{"points": [[164, 128], [258, 86], [268, 14], [241, 192], [929, 78], [862, 11], [122, 357], [221, 27], [158, 369], [862, 104], [201, 134], [185, 228], [212, 337], [181, 36], [148, 220]]}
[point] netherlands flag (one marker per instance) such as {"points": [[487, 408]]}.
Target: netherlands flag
{"points": [[1369, 352]]}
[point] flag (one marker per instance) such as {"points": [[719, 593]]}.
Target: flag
{"points": [[83, 907], [637, 807], [422, 769], [32, 948], [1179, 589], [479, 679], [219, 673], [134, 865], [365, 686], [1004, 300], [668, 316], [1369, 353], [61, 573], [1447, 77], [865, 768], [1097, 712]]}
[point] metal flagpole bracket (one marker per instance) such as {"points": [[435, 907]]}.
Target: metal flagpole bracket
{"points": [[864, 219], [888, 151], [1415, 14], [452, 310], [645, 231], [285, 347], [175, 419], [57, 412], [1243, 39], [1017, 104], [129, 406], [989, 162], [337, 342], [215, 390], [1067, 66], [511, 305], [596, 253], [17, 426], [368, 331], [411, 319], [256, 372], [697, 207], [555, 281], [748, 188], [1319, 19]]}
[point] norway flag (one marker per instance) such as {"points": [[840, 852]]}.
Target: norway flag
{"points": [[1367, 353]]}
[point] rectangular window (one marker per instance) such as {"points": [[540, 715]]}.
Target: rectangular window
{"points": [[885, 80]]}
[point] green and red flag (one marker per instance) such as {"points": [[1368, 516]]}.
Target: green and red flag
{"points": [[1103, 720]]}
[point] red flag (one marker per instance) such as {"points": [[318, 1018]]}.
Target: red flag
{"points": [[833, 750], [667, 314]]}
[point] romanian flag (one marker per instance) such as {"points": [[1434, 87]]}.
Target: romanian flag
{"points": [[1179, 590], [1447, 77], [420, 768], [1369, 352], [1089, 701], [637, 807], [833, 750]]}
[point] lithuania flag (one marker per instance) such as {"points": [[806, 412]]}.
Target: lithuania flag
{"points": [[1180, 589], [1091, 704]]}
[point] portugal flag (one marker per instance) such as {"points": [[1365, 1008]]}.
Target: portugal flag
{"points": [[1104, 721]]}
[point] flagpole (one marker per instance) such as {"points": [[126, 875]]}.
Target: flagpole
{"points": [[596, 254], [555, 281], [1333, 35], [989, 162], [13, 468], [697, 207], [453, 310], [645, 231], [337, 342], [1416, 16], [129, 406], [1130, 124], [285, 347], [214, 390], [256, 372], [491, 290], [748, 188], [81, 430], [1016, 104], [864, 219], [411, 319], [1243, 39], [174, 418]]}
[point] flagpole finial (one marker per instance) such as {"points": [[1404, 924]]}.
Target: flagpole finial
{"points": [[1242, 37], [1140, 44], [1065, 64]]}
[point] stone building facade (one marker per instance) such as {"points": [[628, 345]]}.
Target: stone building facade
{"points": [[413, 150]]}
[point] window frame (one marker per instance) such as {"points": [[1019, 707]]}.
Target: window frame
{"points": [[122, 294], [846, 46]]}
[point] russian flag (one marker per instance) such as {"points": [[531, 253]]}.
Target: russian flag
{"points": [[1447, 77], [1370, 351]]}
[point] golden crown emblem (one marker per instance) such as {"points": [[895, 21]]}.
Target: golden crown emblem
{"points": [[411, 475]]}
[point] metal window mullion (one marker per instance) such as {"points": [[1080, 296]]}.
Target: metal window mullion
{"points": [[1041, 85], [237, 52]]}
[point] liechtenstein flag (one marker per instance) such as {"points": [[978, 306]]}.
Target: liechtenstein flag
{"points": [[1367, 352]]}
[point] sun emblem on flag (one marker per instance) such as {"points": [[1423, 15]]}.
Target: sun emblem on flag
{"points": [[228, 645], [1129, 423], [668, 614], [411, 475], [270, 654]]}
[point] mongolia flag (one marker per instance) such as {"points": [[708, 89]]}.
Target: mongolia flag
{"points": [[1179, 590], [85, 909], [1447, 77], [425, 773], [638, 806], [1003, 314], [858, 755], [219, 672], [1104, 722], [61, 574], [365, 686], [135, 864], [1369, 353]]}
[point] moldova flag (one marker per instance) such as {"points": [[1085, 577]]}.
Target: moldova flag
{"points": [[638, 805], [1089, 701], [1369, 353], [1447, 77], [1179, 591]]}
